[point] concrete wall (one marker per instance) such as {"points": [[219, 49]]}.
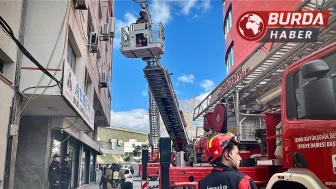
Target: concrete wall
{"points": [[6, 95], [43, 26], [33, 151], [11, 13], [47, 38]]}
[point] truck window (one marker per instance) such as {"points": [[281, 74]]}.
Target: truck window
{"points": [[298, 84]]}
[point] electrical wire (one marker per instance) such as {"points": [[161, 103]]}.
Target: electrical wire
{"points": [[71, 132], [49, 86], [7, 29], [31, 98]]}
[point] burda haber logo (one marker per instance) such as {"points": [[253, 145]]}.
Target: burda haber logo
{"points": [[282, 26]]}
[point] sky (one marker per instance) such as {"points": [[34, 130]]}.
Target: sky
{"points": [[194, 53]]}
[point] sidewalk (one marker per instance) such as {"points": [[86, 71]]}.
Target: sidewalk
{"points": [[91, 186]]}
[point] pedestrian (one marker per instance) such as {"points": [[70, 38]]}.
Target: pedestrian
{"points": [[224, 156], [103, 181], [66, 172], [54, 173]]}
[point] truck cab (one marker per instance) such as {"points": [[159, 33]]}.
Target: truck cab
{"points": [[308, 123]]}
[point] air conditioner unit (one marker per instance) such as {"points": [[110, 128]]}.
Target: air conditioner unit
{"points": [[105, 32], [105, 29], [112, 26], [103, 80], [93, 42], [80, 4]]}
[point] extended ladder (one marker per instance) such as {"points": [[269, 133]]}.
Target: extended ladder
{"points": [[154, 122], [262, 70], [162, 91]]}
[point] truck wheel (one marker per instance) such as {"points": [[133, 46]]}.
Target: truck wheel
{"points": [[287, 184]]}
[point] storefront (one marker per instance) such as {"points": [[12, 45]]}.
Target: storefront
{"points": [[42, 137]]}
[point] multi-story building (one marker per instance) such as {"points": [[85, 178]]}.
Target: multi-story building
{"points": [[73, 41], [236, 48], [10, 58], [118, 143]]}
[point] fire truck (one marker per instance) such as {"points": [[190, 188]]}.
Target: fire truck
{"points": [[280, 102]]}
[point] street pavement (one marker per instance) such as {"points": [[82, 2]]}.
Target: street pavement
{"points": [[136, 184]]}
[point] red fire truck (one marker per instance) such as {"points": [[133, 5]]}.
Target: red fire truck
{"points": [[290, 98], [280, 102], [307, 118]]}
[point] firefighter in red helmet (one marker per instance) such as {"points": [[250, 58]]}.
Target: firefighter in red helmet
{"points": [[224, 156]]}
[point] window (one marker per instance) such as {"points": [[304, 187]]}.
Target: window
{"points": [[89, 25], [88, 85], [228, 22], [126, 171], [71, 57], [2, 65], [294, 97], [229, 60]]}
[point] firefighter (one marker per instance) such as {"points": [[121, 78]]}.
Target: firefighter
{"points": [[115, 176], [143, 17], [224, 156]]}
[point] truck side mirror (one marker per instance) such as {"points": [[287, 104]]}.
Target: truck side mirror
{"points": [[315, 68], [319, 92]]}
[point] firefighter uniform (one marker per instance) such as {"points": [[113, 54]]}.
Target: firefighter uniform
{"points": [[225, 174], [115, 177], [224, 177]]}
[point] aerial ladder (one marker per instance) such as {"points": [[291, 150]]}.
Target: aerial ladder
{"points": [[154, 125], [146, 41], [249, 98]]}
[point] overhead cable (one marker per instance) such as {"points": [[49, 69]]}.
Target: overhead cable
{"points": [[6, 28]]}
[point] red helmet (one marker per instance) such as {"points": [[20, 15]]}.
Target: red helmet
{"points": [[217, 143]]}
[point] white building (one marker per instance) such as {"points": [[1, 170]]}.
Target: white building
{"points": [[10, 58], [117, 143], [57, 117], [129, 146]]}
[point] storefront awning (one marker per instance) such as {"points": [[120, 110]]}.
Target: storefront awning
{"points": [[109, 159], [81, 136]]}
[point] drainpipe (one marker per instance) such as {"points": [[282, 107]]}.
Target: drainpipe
{"points": [[12, 141]]}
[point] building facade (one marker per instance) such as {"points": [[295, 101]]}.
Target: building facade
{"points": [[117, 143], [73, 41], [13, 14], [237, 49]]}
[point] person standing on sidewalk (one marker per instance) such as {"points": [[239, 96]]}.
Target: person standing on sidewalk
{"points": [[66, 172], [103, 181], [54, 173]]}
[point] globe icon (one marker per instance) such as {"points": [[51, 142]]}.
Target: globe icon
{"points": [[251, 26]]}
